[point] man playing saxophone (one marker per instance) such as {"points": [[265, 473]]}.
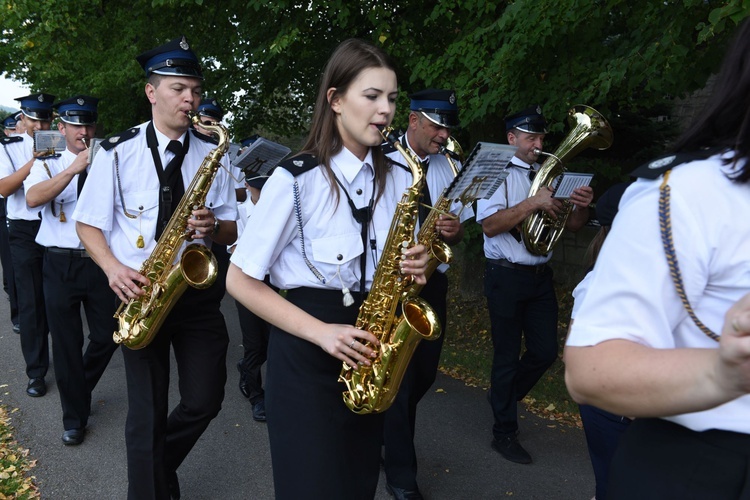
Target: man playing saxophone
{"points": [[518, 284], [136, 182], [433, 113]]}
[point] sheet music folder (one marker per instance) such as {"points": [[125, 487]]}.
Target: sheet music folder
{"points": [[260, 156], [484, 171]]}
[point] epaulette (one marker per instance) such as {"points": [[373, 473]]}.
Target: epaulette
{"points": [[655, 168], [204, 137], [10, 140], [116, 139], [300, 164], [397, 164]]}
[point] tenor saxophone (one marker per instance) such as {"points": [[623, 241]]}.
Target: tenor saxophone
{"points": [[140, 319], [372, 389]]}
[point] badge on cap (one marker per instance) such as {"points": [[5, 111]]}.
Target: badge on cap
{"points": [[40, 98], [183, 44], [452, 98], [539, 110], [80, 101]]}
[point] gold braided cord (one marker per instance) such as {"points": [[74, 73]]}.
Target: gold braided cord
{"points": [[665, 227]]}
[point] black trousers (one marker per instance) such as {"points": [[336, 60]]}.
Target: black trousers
{"points": [[9, 284], [158, 442], [319, 448], [522, 305], [72, 281], [400, 418], [661, 460], [255, 333], [28, 259]]}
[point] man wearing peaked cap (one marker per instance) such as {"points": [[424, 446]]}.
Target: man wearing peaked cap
{"points": [[9, 125], [72, 280], [211, 109], [434, 112], [518, 284], [23, 225], [152, 165]]}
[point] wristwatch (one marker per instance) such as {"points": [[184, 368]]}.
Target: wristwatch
{"points": [[217, 226]]}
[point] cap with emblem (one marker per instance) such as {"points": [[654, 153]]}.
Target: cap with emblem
{"points": [[210, 108], [174, 58], [37, 106], [9, 123], [78, 110], [438, 106], [530, 120]]}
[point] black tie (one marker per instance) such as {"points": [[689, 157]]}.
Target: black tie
{"points": [[81, 180], [172, 188], [426, 199]]}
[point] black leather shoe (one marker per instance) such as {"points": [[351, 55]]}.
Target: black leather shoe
{"points": [[403, 494], [259, 411], [511, 449], [16, 328], [244, 389], [174, 485], [73, 437], [36, 388]]}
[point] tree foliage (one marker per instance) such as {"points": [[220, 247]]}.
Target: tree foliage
{"points": [[263, 59]]}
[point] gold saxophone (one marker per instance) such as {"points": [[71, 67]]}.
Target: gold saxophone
{"points": [[141, 318], [439, 251], [372, 389]]}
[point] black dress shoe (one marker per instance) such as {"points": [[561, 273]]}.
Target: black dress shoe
{"points": [[36, 388], [511, 449], [244, 389], [16, 328], [174, 485], [259, 411], [403, 494], [72, 437]]}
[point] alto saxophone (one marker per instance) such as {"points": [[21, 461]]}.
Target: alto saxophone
{"points": [[439, 251], [141, 318], [372, 389]]}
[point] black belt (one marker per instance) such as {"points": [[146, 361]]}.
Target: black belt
{"points": [[72, 252], [521, 267]]}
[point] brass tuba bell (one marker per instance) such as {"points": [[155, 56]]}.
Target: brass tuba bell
{"points": [[589, 129]]}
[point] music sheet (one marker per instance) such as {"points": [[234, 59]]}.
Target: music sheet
{"points": [[570, 182], [260, 156], [483, 172]]}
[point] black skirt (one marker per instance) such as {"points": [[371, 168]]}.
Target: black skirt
{"points": [[319, 448]]}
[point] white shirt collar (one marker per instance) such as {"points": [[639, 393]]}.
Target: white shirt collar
{"points": [[349, 165]]}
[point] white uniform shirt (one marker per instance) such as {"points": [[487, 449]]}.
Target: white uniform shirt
{"points": [[439, 177], [271, 241], [631, 295], [16, 155], [53, 232], [100, 204], [244, 211], [513, 191]]}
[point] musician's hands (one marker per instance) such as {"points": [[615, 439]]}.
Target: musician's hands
{"points": [[582, 196], [201, 224], [80, 163], [733, 365], [415, 263], [126, 282], [447, 227], [348, 344], [544, 201]]}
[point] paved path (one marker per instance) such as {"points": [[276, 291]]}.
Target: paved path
{"points": [[232, 461]]}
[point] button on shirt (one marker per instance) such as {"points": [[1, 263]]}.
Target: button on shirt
{"points": [[101, 206], [513, 191], [630, 294], [18, 154], [53, 232], [271, 241]]}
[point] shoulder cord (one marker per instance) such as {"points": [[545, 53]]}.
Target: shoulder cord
{"points": [[665, 227], [298, 215], [9, 158], [52, 202], [119, 188]]}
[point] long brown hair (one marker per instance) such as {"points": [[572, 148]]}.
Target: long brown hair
{"points": [[349, 59]]}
